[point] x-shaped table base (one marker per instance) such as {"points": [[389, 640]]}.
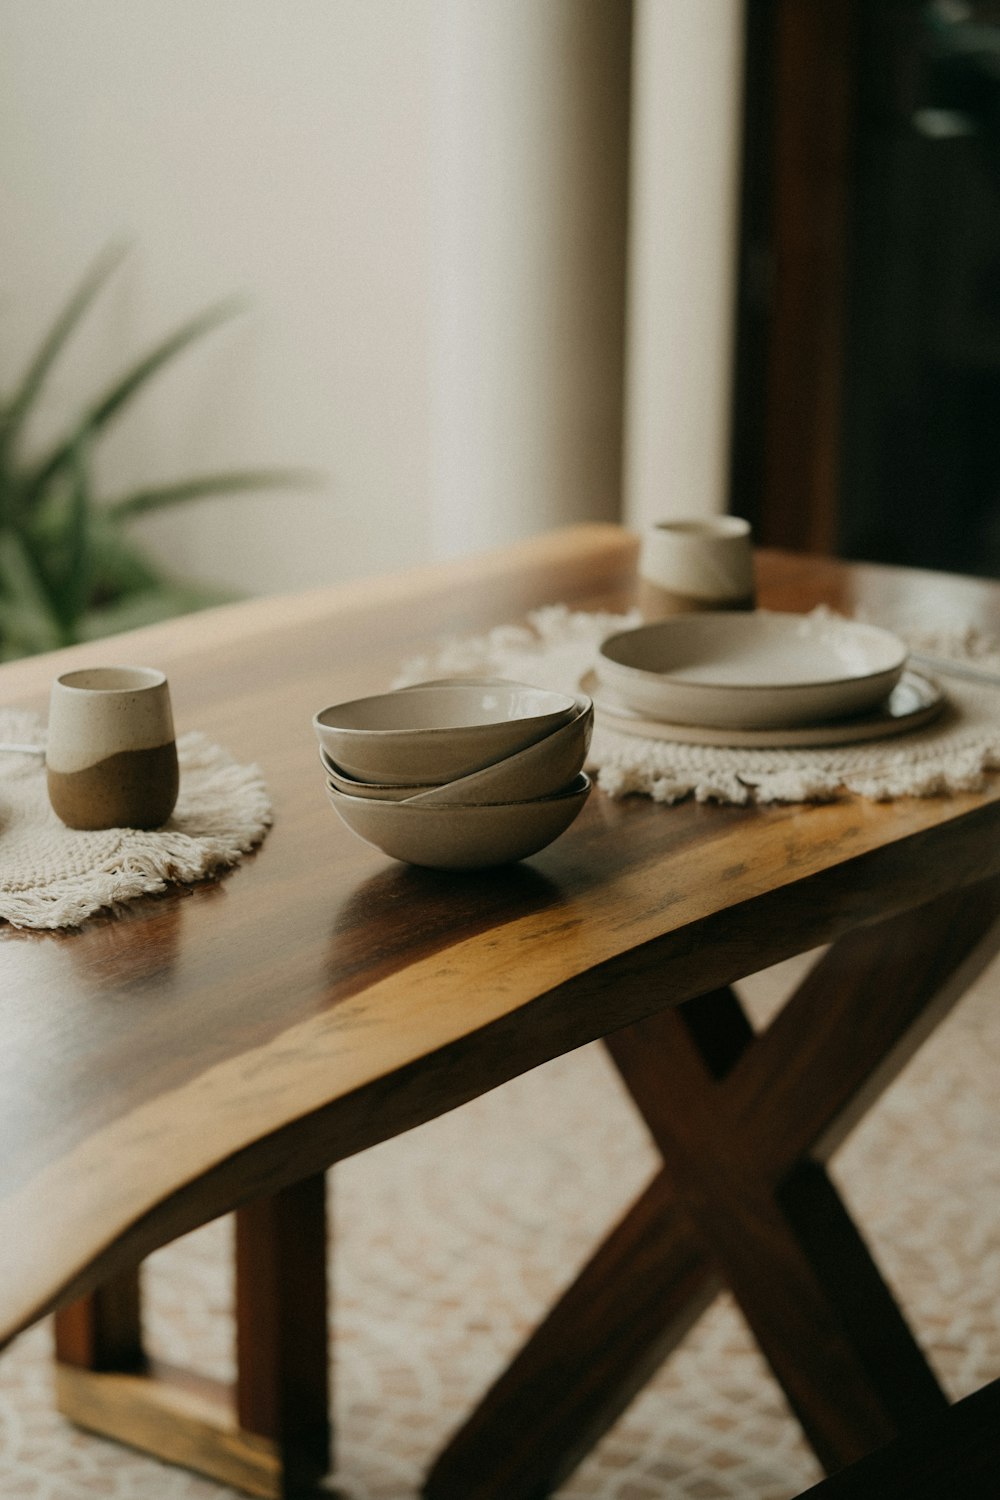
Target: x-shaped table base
{"points": [[744, 1124]]}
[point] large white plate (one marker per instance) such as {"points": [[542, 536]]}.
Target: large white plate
{"points": [[752, 670], [913, 702]]}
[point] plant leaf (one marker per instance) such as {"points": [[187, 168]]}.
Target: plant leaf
{"points": [[231, 483], [77, 580], [24, 632], [126, 387], [119, 567], [20, 404], [27, 615]]}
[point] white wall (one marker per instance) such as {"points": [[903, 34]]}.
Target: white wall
{"points": [[424, 200], [277, 149], [531, 162], [687, 103]]}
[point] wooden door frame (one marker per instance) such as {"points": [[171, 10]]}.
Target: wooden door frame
{"points": [[799, 120]]}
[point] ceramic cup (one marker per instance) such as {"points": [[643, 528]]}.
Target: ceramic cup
{"points": [[696, 563], [111, 759]]}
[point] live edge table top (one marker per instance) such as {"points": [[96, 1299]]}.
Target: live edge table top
{"points": [[211, 1045]]}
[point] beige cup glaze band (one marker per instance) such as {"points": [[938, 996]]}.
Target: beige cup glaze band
{"points": [[90, 725]]}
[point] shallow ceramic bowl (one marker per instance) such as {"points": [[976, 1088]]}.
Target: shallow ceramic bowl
{"points": [[462, 836], [352, 787], [540, 770], [751, 671], [436, 732]]}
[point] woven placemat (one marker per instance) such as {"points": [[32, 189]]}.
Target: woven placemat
{"points": [[55, 877], [557, 648]]}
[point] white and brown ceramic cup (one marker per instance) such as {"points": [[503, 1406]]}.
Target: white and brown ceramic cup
{"points": [[694, 564], [111, 757]]}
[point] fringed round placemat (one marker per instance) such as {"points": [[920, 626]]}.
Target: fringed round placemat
{"points": [[54, 877], [558, 646]]}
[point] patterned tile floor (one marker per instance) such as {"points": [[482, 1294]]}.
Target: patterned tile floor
{"points": [[452, 1240]]}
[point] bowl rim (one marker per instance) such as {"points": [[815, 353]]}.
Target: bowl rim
{"points": [[564, 707], [578, 726], [584, 707], [580, 786], [330, 765], [732, 618]]}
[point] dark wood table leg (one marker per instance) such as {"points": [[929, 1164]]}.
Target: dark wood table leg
{"points": [[268, 1436], [103, 1331], [802, 1319], [744, 1127], [639, 1294], [955, 1455], [282, 1384], [633, 1302]]}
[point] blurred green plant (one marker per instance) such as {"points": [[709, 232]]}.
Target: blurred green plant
{"points": [[69, 571]]}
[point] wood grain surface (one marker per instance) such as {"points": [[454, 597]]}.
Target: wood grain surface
{"points": [[167, 1065]]}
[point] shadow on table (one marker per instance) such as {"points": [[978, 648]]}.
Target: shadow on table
{"points": [[412, 913]]}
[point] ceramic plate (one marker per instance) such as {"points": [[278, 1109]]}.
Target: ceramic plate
{"points": [[759, 670], [913, 702]]}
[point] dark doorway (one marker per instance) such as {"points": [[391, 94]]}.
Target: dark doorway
{"points": [[867, 397]]}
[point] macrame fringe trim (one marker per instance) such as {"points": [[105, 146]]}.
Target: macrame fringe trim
{"points": [[557, 647], [52, 877]]}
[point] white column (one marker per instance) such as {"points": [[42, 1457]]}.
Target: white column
{"points": [[527, 300], [686, 132]]}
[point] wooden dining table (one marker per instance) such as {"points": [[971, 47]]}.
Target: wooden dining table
{"points": [[219, 1047]]}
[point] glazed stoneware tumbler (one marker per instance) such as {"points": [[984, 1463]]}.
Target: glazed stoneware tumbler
{"points": [[111, 757], [696, 564]]}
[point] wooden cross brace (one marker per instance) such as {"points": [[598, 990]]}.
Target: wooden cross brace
{"points": [[744, 1124]]}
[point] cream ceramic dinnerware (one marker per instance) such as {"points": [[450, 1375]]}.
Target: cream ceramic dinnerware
{"points": [[462, 836], [540, 770], [470, 681], [111, 757], [751, 671], [913, 702], [437, 731], [696, 563], [352, 787]]}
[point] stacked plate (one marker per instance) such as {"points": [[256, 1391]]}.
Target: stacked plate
{"points": [[461, 773], [759, 678]]}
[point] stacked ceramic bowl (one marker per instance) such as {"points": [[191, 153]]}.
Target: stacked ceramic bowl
{"points": [[461, 773]]}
